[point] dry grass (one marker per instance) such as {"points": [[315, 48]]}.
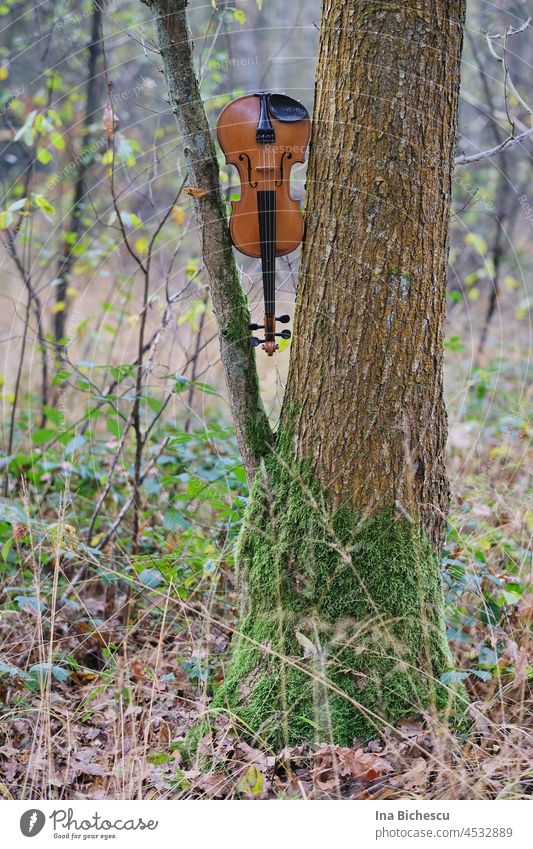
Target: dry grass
{"points": [[143, 661]]}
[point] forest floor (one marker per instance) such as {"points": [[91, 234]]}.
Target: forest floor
{"points": [[108, 659]]}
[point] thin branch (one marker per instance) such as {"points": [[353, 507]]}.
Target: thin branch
{"points": [[488, 154], [16, 392]]}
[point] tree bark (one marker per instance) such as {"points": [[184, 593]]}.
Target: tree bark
{"points": [[367, 362], [343, 613], [229, 301]]}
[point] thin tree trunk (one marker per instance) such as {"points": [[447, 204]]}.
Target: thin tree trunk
{"points": [[343, 614], [71, 235], [503, 195], [229, 301]]}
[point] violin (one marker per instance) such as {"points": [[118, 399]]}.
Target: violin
{"points": [[263, 135]]}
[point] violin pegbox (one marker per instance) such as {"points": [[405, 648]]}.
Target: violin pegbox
{"points": [[269, 345]]}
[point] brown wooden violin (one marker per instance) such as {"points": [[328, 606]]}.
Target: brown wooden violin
{"points": [[264, 135]]}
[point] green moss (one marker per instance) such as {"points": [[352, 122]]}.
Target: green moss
{"points": [[342, 629], [258, 433]]}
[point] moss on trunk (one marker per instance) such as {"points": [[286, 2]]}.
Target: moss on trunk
{"points": [[342, 626]]}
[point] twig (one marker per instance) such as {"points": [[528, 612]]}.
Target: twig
{"points": [[129, 501], [488, 154], [16, 394]]}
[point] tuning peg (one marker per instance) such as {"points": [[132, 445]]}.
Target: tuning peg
{"points": [[285, 334], [256, 326], [255, 341], [283, 319]]}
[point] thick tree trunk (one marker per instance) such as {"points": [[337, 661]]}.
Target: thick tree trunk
{"points": [[343, 615]]}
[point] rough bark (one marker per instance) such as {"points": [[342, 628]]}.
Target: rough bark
{"points": [[367, 363], [228, 299], [343, 614]]}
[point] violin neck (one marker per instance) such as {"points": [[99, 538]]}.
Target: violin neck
{"points": [[266, 203]]}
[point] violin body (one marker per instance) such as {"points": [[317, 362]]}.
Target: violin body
{"points": [[262, 168], [263, 135]]}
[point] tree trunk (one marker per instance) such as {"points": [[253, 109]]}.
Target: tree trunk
{"points": [[85, 159], [343, 615], [229, 301]]}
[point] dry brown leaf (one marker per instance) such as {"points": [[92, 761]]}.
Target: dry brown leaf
{"points": [[332, 762], [138, 669], [414, 778], [110, 120], [92, 769], [195, 192], [410, 728]]}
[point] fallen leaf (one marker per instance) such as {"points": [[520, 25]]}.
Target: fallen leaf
{"points": [[251, 783], [414, 778], [310, 650], [194, 192]]}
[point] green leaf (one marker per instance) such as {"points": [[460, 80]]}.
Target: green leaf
{"points": [[455, 296], [453, 676], [42, 670], [454, 344], [44, 204], [482, 674], [173, 520], [155, 404], [251, 782], [477, 241], [157, 758], [130, 219], [42, 435], [55, 416], [151, 578], [57, 140], [29, 601], [6, 219], [44, 156], [205, 388], [238, 14], [11, 513], [113, 427], [13, 671], [508, 598], [181, 384], [61, 376]]}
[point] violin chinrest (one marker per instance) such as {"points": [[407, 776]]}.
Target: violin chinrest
{"points": [[285, 108]]}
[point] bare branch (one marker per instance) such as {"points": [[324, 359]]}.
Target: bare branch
{"points": [[488, 154]]}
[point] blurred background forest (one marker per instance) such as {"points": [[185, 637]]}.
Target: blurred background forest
{"points": [[122, 488]]}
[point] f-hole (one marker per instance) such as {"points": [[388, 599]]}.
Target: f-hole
{"points": [[288, 154], [245, 158]]}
